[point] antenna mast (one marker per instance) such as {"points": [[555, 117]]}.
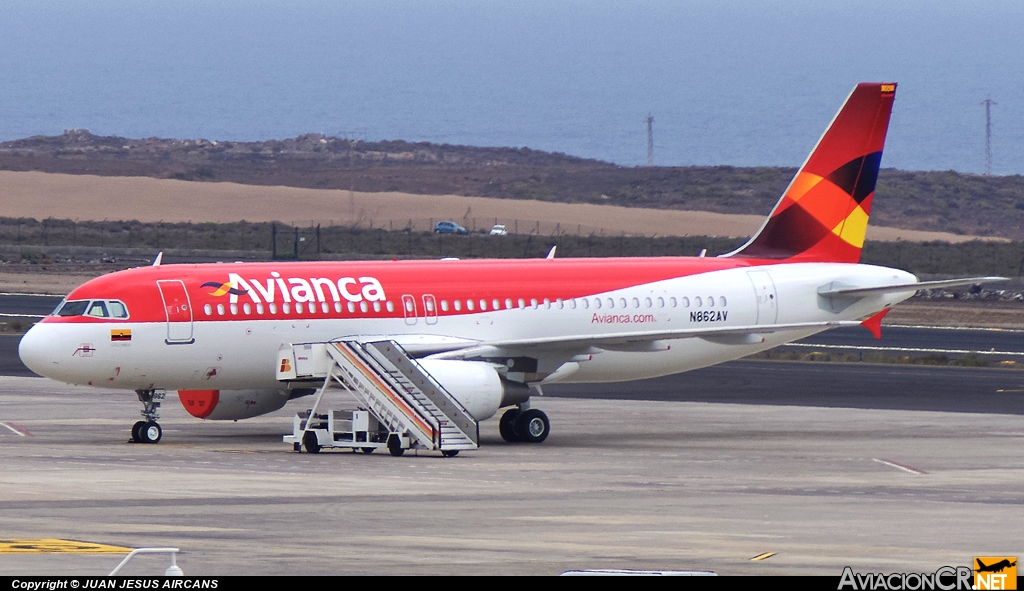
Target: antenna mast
{"points": [[988, 134], [650, 140]]}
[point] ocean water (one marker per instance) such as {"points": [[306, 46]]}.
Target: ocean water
{"points": [[736, 82]]}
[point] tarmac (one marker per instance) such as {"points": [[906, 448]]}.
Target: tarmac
{"points": [[619, 484]]}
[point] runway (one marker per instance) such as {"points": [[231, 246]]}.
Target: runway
{"points": [[619, 484]]}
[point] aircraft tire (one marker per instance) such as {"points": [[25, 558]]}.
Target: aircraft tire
{"points": [[136, 428], [532, 426], [311, 443], [395, 446], [449, 453], [368, 450], [150, 432], [507, 426]]}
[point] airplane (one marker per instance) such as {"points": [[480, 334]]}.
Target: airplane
{"points": [[493, 331], [996, 567]]}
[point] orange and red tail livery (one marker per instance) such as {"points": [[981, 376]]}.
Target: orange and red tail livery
{"points": [[823, 214]]}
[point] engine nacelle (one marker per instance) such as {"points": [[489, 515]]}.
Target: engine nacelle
{"points": [[476, 385], [231, 405]]}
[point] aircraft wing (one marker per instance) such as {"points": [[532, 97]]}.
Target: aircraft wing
{"points": [[634, 340]]}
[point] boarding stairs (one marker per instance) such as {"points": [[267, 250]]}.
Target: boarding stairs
{"points": [[404, 398]]}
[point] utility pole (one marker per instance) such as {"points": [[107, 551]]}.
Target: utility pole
{"points": [[988, 134], [650, 140]]}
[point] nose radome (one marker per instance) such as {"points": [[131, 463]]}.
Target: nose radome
{"points": [[40, 349]]}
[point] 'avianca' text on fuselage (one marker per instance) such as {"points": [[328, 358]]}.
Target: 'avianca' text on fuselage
{"points": [[300, 289]]}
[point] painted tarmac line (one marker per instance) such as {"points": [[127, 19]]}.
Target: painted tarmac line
{"points": [[18, 430], [56, 546], [899, 466], [902, 349], [971, 328], [761, 557]]}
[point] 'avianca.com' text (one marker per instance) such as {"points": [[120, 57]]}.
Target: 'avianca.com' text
{"points": [[622, 319]]}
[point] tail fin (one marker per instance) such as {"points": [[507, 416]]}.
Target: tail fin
{"points": [[823, 214]]}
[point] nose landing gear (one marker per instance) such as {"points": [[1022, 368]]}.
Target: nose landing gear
{"points": [[148, 431]]}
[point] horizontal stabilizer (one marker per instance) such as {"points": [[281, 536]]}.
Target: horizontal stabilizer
{"points": [[834, 290]]}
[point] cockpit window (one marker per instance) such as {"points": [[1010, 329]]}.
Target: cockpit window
{"points": [[97, 309], [73, 308], [94, 308]]}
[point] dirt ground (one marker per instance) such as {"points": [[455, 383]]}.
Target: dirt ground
{"points": [[83, 197]]}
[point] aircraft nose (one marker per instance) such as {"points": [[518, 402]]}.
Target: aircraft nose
{"points": [[39, 349]]}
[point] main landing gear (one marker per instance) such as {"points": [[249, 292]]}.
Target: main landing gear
{"points": [[524, 424], [148, 431]]}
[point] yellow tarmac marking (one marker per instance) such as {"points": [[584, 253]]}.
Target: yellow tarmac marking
{"points": [[761, 557], [55, 546]]}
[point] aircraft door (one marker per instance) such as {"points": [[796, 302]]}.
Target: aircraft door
{"points": [[409, 309], [430, 309], [178, 310], [767, 299]]}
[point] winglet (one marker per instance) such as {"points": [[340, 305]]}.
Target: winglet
{"points": [[551, 253], [874, 324], [159, 258]]}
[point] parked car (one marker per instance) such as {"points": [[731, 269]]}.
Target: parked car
{"points": [[449, 228], [498, 230]]}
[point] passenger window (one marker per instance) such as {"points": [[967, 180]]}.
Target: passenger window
{"points": [[672, 302], [611, 302], [547, 303], [711, 301], [458, 305], [483, 304], [444, 305], [622, 302], [298, 308], [469, 305], [390, 306], [597, 302], [286, 308], [586, 303], [661, 302], [220, 309], [572, 303], [351, 308], [636, 302], [495, 305], [508, 303], [363, 307], [273, 308], [247, 309], [722, 301], [376, 306], [560, 303], [97, 309], [259, 309], [697, 302], [522, 303], [533, 303], [686, 302], [648, 302]]}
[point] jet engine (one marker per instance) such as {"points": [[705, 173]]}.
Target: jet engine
{"points": [[231, 405], [476, 385]]}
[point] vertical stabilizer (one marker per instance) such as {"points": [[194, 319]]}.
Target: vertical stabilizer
{"points": [[823, 214]]}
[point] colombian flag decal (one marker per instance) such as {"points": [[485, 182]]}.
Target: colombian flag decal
{"points": [[223, 288], [120, 334]]}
